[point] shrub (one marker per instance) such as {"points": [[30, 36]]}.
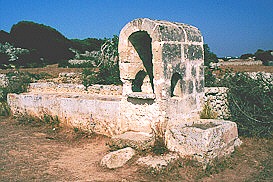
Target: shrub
{"points": [[207, 112], [251, 104], [250, 101], [89, 77], [54, 122], [108, 66]]}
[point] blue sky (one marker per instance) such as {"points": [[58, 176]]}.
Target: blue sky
{"points": [[229, 27]]}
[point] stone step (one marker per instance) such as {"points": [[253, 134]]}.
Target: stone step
{"points": [[137, 140]]}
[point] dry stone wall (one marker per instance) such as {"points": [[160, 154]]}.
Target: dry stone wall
{"points": [[216, 98]]}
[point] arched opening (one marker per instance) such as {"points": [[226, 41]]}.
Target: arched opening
{"points": [[138, 81], [176, 89], [142, 44]]}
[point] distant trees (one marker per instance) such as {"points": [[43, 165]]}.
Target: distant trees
{"points": [[4, 37], [209, 56], [265, 56], [90, 44], [246, 56], [43, 40], [45, 45]]}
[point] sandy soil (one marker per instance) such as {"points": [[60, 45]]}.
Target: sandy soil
{"points": [[34, 152]]}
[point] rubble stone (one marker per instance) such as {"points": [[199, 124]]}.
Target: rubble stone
{"points": [[117, 158]]}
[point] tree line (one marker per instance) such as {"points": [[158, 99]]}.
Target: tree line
{"points": [[44, 45]]}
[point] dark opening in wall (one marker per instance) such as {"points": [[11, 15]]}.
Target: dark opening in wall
{"points": [[138, 81], [142, 44], [176, 89]]}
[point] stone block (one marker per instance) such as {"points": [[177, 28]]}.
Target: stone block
{"points": [[117, 158], [157, 164], [203, 139], [137, 140]]}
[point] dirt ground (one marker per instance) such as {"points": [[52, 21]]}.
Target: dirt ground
{"points": [[35, 152]]}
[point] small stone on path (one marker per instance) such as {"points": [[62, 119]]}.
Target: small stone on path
{"points": [[117, 158]]}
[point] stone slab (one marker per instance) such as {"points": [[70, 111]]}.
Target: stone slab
{"points": [[137, 140], [159, 163]]}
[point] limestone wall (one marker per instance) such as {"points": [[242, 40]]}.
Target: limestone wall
{"points": [[238, 62], [3, 80], [91, 113], [216, 97], [75, 88]]}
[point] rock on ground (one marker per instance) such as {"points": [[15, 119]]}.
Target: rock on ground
{"points": [[117, 158]]}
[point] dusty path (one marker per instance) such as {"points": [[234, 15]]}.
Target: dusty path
{"points": [[30, 153], [37, 153]]}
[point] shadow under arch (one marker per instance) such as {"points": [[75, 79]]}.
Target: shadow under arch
{"points": [[142, 44], [138, 81], [176, 85]]}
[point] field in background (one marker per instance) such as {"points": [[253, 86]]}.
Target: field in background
{"points": [[54, 71], [249, 68]]}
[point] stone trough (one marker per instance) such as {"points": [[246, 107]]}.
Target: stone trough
{"points": [[204, 139]]}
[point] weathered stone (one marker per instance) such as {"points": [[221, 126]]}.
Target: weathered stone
{"points": [[217, 99], [140, 95], [3, 80], [204, 139], [117, 158], [157, 164], [137, 140]]}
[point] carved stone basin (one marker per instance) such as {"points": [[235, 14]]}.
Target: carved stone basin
{"points": [[203, 139]]}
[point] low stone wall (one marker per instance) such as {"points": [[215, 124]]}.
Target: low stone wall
{"points": [[75, 88], [268, 76], [3, 80], [239, 63], [91, 113], [216, 97]]}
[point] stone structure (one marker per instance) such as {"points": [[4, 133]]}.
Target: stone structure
{"points": [[161, 68]]}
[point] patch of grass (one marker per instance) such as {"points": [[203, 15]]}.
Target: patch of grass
{"points": [[26, 119], [4, 109], [207, 112], [53, 121]]}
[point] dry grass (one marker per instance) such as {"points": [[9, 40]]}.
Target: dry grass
{"points": [[53, 70], [252, 68]]}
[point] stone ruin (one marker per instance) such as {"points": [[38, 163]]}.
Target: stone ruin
{"points": [[162, 71]]}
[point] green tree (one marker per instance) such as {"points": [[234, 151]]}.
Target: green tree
{"points": [[264, 56], [246, 56], [51, 45], [209, 56]]}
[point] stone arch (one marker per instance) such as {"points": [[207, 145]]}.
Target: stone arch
{"points": [[141, 42], [176, 89]]}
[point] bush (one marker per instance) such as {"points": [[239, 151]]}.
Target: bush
{"points": [[250, 101], [108, 66], [251, 104]]}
